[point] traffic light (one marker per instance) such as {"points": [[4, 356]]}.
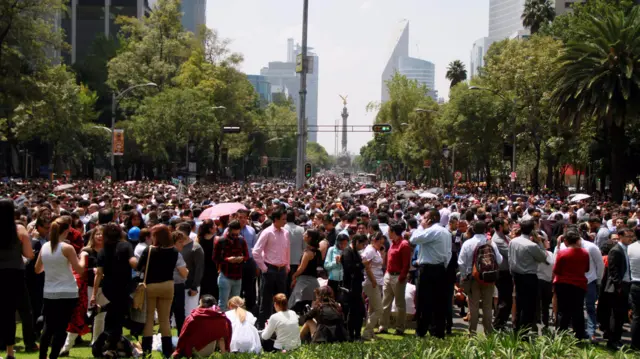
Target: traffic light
{"points": [[382, 128], [307, 170], [231, 129]]}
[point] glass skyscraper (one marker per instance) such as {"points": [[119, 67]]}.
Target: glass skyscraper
{"points": [[505, 18], [194, 13]]}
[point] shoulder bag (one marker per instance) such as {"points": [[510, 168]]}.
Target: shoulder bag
{"points": [[139, 294]]}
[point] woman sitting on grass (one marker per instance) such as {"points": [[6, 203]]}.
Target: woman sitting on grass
{"points": [[245, 337], [324, 323], [283, 325]]}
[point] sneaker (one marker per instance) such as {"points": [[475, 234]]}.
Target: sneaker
{"points": [[63, 354], [382, 330]]}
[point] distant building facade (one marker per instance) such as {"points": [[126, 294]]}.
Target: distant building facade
{"points": [[282, 75], [262, 86], [194, 13], [414, 69], [478, 52], [85, 20], [505, 18]]}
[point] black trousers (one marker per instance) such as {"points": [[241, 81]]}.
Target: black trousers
{"points": [[248, 289], [209, 282], [274, 281], [571, 308], [177, 306], [57, 314], [504, 284], [449, 317], [117, 311], [545, 296], [12, 281], [620, 308], [526, 296], [431, 300], [635, 321], [356, 312]]}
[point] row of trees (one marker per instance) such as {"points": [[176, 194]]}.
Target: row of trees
{"points": [[62, 114], [568, 95]]}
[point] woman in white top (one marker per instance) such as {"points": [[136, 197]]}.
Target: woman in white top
{"points": [[284, 324], [373, 281], [60, 294], [245, 337]]}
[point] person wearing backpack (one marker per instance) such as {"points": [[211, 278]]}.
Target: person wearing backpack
{"points": [[479, 263]]}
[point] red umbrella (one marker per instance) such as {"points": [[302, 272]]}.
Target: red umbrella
{"points": [[221, 209]]}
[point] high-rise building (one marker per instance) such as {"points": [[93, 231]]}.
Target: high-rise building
{"points": [[505, 18], [85, 20], [262, 86], [478, 51], [194, 13], [414, 69], [283, 75]]}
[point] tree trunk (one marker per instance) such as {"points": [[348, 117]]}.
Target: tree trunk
{"points": [[617, 163], [535, 180], [488, 178], [578, 178]]}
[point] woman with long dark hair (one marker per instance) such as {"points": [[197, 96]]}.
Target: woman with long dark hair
{"points": [[305, 280], [115, 262], [206, 236], [133, 219], [60, 295], [14, 244], [324, 323]]}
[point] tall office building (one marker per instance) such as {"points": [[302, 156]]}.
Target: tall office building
{"points": [[263, 88], [283, 75], [414, 69], [194, 13], [478, 51], [505, 18], [85, 20]]}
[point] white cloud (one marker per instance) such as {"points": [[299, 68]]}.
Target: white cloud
{"points": [[365, 5]]}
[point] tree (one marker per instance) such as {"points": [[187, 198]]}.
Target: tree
{"points": [[318, 156], [456, 72], [598, 78], [61, 116], [536, 13]]}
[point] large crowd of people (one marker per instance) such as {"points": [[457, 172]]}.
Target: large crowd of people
{"points": [[266, 267]]}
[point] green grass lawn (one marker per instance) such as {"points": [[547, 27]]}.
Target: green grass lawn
{"points": [[389, 346]]}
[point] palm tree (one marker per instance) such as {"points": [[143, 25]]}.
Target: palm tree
{"points": [[536, 13], [456, 72], [599, 78]]}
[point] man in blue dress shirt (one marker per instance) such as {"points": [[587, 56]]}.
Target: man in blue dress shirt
{"points": [[433, 257]]}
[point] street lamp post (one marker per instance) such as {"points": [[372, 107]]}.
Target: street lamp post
{"points": [[114, 105], [302, 128], [513, 154]]}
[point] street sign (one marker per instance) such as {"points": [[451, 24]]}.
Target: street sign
{"points": [[457, 175], [427, 164], [307, 170], [118, 142], [513, 176]]}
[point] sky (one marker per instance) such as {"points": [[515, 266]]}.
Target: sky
{"points": [[353, 39]]}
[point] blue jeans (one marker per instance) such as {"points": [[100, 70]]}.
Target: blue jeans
{"points": [[227, 288], [590, 302]]}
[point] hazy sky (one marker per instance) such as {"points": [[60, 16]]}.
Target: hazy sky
{"points": [[354, 39]]}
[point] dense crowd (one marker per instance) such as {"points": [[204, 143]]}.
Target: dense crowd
{"points": [[265, 267]]}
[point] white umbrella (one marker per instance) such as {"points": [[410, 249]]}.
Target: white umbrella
{"points": [[366, 191], [401, 183], [130, 183], [64, 187], [578, 197], [428, 195]]}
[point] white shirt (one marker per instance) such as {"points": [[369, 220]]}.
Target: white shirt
{"points": [[372, 255], [285, 325], [465, 260], [409, 298], [59, 282], [245, 338], [444, 216], [545, 270], [634, 261]]}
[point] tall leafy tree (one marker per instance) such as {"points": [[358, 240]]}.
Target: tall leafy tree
{"points": [[456, 72], [599, 77], [536, 13]]}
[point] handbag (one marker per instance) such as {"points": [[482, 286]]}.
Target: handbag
{"points": [[138, 295]]}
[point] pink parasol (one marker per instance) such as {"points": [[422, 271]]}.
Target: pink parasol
{"points": [[221, 209]]}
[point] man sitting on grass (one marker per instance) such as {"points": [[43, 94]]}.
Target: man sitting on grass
{"points": [[204, 330]]}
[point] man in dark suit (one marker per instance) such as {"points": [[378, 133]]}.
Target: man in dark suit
{"points": [[618, 284]]}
